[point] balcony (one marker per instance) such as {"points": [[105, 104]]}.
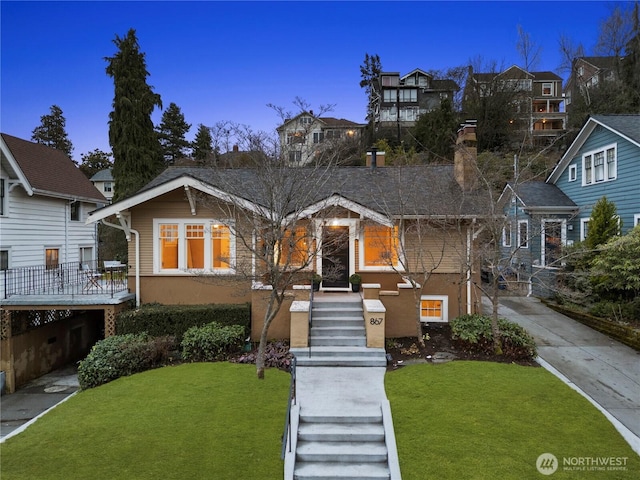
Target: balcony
{"points": [[86, 282]]}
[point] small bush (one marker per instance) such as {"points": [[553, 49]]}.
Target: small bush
{"points": [[122, 355], [276, 355], [474, 333], [211, 342]]}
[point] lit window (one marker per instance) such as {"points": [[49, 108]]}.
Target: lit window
{"points": [[294, 249], [434, 308], [51, 256], [380, 246], [169, 245], [221, 247], [194, 243]]}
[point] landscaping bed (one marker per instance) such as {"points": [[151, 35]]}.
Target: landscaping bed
{"points": [[439, 347]]}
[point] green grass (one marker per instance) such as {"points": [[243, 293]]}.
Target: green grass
{"points": [[460, 420], [477, 420], [194, 421]]}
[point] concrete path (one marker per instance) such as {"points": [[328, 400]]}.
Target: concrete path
{"points": [[20, 409], [605, 371]]}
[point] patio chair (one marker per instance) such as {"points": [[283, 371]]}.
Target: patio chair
{"points": [[91, 277]]}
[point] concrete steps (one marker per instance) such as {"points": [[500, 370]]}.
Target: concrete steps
{"points": [[341, 447]]}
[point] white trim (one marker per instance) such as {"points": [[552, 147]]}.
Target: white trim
{"points": [[506, 243], [182, 261], [352, 223], [590, 157], [563, 238], [519, 244], [379, 268], [636, 219], [573, 172], [444, 308], [584, 228]]}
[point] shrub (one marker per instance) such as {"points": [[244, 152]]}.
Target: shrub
{"points": [[276, 355], [211, 342], [123, 355], [157, 319], [474, 333]]}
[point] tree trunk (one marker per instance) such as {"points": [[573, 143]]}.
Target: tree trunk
{"points": [[419, 323], [495, 331]]}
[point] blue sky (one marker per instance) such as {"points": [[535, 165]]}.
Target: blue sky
{"points": [[225, 61]]}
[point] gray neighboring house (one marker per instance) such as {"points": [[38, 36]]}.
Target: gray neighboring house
{"points": [[103, 181]]}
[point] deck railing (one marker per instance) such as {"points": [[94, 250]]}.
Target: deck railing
{"points": [[72, 278]]}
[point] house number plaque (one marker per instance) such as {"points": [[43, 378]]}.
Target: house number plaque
{"points": [[375, 321]]}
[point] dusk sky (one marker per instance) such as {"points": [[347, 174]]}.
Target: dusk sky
{"points": [[225, 61]]}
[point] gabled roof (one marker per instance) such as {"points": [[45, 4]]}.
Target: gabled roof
{"points": [[600, 62], [431, 190], [46, 171], [414, 71], [330, 122], [625, 125], [536, 195], [103, 176]]}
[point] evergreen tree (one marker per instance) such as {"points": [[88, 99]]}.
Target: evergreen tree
{"points": [[51, 131], [202, 146], [604, 224], [171, 133], [435, 132], [631, 63], [369, 72], [136, 151], [94, 162]]}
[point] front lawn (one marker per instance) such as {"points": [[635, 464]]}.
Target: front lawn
{"points": [[461, 420], [484, 420]]}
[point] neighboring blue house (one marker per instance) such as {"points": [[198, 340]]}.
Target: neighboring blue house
{"points": [[603, 160]]}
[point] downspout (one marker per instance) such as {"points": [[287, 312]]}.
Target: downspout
{"points": [[469, 266], [137, 248]]}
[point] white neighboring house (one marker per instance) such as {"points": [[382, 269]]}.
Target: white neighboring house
{"points": [[305, 136], [44, 202], [103, 181]]}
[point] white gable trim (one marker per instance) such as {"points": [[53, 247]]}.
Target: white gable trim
{"points": [[340, 201], [16, 168]]}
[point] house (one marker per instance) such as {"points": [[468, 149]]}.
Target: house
{"points": [[185, 234], [46, 248], [398, 101], [603, 160], [587, 73], [305, 137], [103, 181], [536, 96]]}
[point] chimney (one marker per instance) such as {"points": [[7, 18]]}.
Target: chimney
{"points": [[466, 156], [375, 158], [235, 148]]}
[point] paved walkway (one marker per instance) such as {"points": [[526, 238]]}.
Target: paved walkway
{"points": [[18, 410], [605, 371]]}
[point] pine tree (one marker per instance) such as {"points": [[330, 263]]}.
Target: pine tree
{"points": [[171, 133], [51, 131], [94, 162], [369, 72], [202, 146], [604, 224], [136, 151]]}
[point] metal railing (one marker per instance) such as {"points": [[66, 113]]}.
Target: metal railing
{"points": [[286, 435], [310, 321], [72, 278]]}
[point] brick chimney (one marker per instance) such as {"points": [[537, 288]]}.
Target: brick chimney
{"points": [[375, 158], [466, 156]]}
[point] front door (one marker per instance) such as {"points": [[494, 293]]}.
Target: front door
{"points": [[335, 257]]}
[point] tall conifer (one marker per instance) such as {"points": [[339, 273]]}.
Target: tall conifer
{"points": [[52, 132], [137, 157]]}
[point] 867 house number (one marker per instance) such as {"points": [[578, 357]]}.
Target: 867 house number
{"points": [[375, 320]]}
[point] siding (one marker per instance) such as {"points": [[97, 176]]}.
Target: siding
{"points": [[624, 191]]}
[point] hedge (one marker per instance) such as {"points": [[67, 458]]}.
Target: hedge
{"points": [[159, 320]]}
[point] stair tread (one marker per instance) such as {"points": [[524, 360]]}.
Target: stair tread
{"points": [[337, 470], [341, 428], [341, 448]]}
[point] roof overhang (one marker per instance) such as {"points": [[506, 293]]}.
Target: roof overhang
{"points": [[15, 167]]}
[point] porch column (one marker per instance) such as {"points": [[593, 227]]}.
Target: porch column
{"points": [[6, 351], [374, 320], [371, 291], [299, 324]]}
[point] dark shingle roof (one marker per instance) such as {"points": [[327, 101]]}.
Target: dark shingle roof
{"points": [[541, 194], [50, 171], [410, 190], [103, 176], [626, 124]]}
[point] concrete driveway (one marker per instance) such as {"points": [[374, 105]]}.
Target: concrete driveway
{"points": [[604, 370]]}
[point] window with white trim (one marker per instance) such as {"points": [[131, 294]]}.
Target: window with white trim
{"points": [[573, 173], [51, 258], [553, 238], [3, 203], [318, 137], [523, 233], [434, 308], [4, 259], [636, 219], [584, 228], [408, 95], [379, 247], [506, 235], [193, 246], [86, 255], [74, 211], [600, 165], [390, 95], [547, 88], [107, 187]]}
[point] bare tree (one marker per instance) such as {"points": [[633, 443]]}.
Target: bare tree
{"points": [[568, 53], [615, 31], [528, 49], [273, 212]]}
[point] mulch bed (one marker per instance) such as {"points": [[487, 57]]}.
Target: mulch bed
{"points": [[438, 348]]}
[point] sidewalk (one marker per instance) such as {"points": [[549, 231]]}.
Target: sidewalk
{"points": [[603, 370], [18, 410]]}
